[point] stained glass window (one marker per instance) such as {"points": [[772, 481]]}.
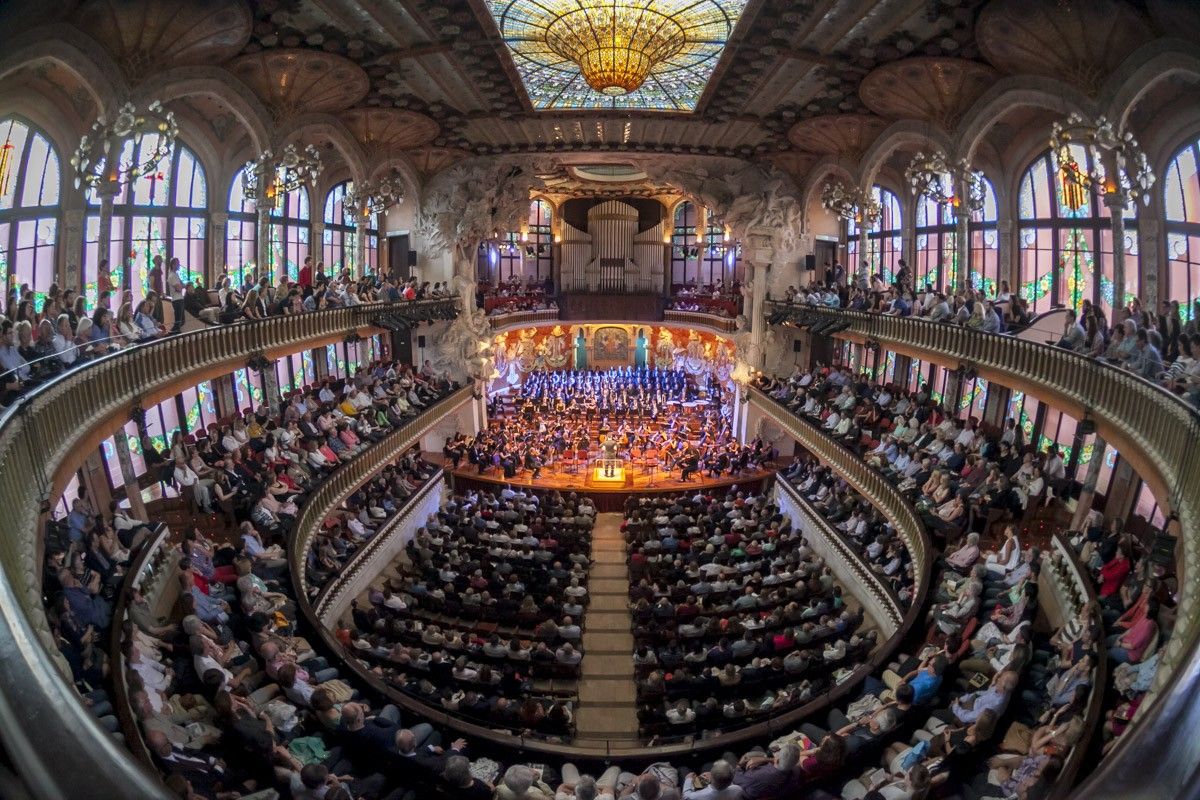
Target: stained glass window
{"points": [[247, 389], [509, 251], [883, 238], [852, 246], [162, 421], [160, 215], [1066, 254], [936, 255], [338, 240], [539, 247], [983, 272], [112, 464], [241, 234], [1181, 192], [684, 249], [675, 81], [199, 407], [335, 360], [290, 235], [29, 209]]}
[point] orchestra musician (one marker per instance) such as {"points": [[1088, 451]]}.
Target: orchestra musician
{"points": [[656, 414]]}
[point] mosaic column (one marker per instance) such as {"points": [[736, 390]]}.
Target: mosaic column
{"points": [[72, 244], [217, 225], [137, 508], [1088, 492]]}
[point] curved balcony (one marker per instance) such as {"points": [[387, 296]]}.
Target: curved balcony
{"points": [[895, 621], [44, 438], [866, 481], [1160, 435], [346, 480], [520, 319], [716, 322]]}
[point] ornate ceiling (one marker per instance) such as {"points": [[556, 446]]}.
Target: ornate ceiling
{"points": [[547, 37], [788, 81]]}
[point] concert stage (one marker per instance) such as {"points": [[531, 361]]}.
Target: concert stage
{"points": [[608, 494]]}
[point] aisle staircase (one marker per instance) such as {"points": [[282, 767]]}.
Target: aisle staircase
{"points": [[607, 694]]}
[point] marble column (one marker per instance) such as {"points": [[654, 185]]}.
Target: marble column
{"points": [[861, 269], [263, 250], [1150, 257], [316, 246], [360, 245], [218, 222], [1008, 260], [271, 388]]}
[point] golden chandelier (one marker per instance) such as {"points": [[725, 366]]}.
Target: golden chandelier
{"points": [[616, 43]]}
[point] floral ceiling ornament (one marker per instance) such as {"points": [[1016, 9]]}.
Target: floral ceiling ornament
{"points": [[742, 197], [105, 140], [933, 176], [291, 170], [467, 203], [1119, 167]]}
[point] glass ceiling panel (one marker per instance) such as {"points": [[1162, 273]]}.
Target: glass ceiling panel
{"points": [[675, 83]]}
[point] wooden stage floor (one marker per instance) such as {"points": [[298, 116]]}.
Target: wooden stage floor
{"points": [[607, 495]]}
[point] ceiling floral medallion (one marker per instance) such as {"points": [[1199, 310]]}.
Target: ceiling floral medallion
{"points": [[616, 54]]}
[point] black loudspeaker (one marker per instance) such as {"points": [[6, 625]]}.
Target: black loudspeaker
{"points": [[1086, 427], [420, 341], [797, 345], [412, 258], [810, 262]]}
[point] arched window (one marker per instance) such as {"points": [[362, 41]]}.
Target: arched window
{"points": [[702, 260], [30, 185], [241, 233], [1066, 253], [508, 251], [883, 238], [290, 235], [984, 271], [685, 252], [371, 250], [161, 214], [338, 240], [936, 252], [1182, 195], [539, 245]]}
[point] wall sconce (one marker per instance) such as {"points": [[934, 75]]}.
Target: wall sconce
{"points": [[558, 238]]}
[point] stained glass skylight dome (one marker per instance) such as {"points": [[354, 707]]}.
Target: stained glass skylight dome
{"points": [[616, 54]]}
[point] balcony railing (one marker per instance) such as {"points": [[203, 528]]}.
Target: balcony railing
{"points": [[849, 568], [1159, 434], [367, 562], [714, 321], [61, 750], [348, 477], [864, 480]]}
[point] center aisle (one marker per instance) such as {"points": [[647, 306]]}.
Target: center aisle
{"points": [[607, 693]]}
